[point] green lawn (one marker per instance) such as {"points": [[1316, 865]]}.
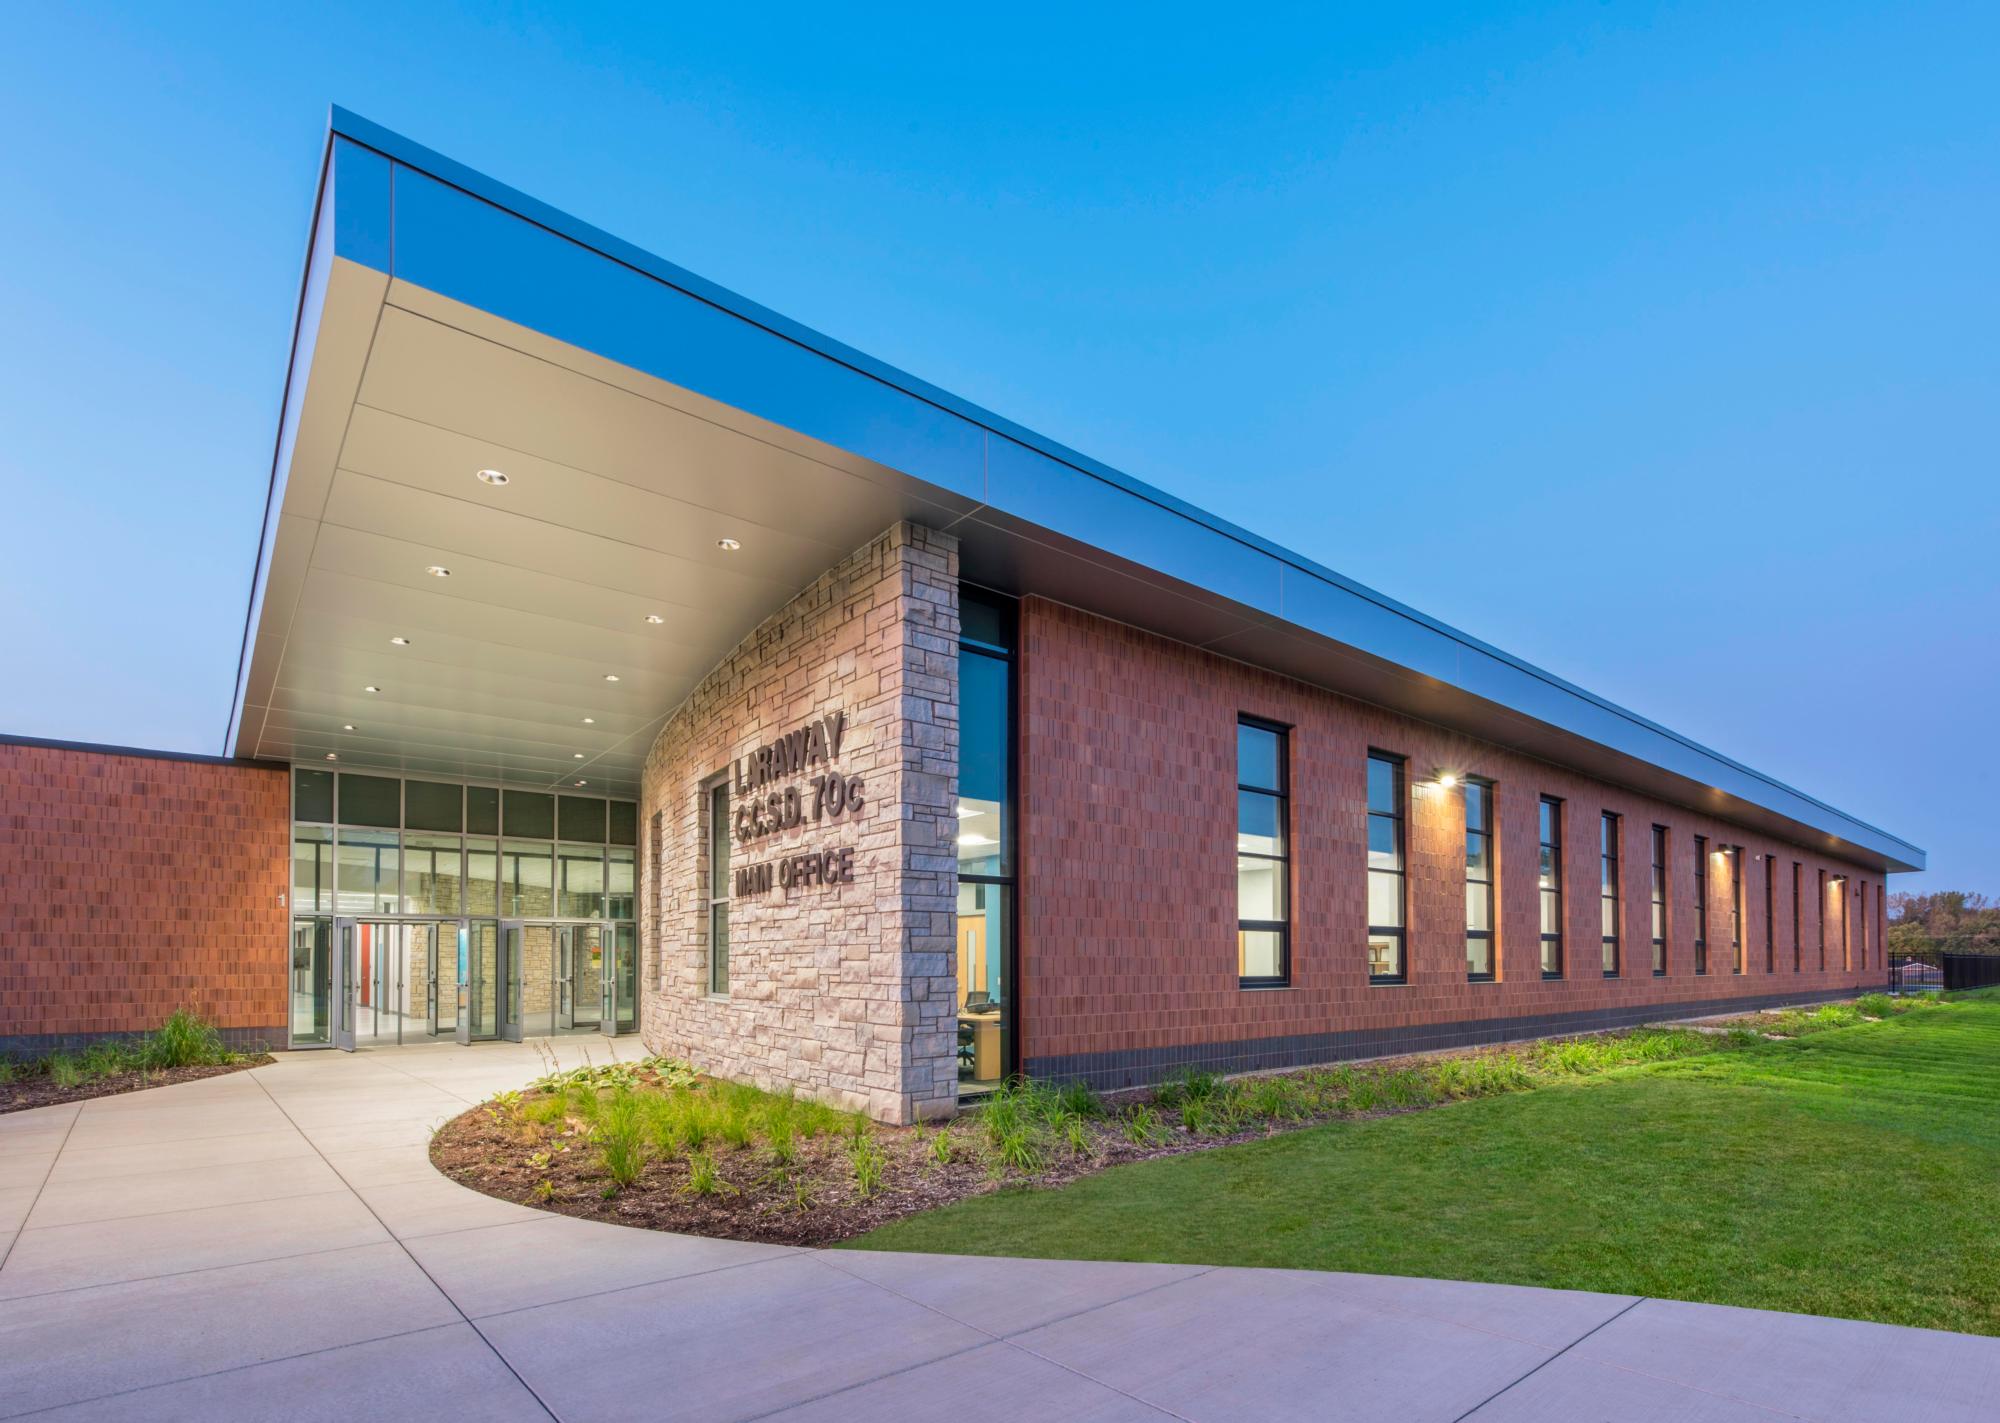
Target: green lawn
{"points": [[1855, 1173]]}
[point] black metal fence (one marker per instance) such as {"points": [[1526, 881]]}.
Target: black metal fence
{"points": [[1908, 974], [1970, 970], [1940, 972]]}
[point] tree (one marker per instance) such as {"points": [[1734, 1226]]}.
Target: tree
{"points": [[1949, 921]]}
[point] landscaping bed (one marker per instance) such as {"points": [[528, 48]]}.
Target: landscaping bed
{"points": [[182, 1049], [653, 1144]]}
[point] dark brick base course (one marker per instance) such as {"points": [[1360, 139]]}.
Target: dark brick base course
{"points": [[33, 1045], [1142, 1067]]}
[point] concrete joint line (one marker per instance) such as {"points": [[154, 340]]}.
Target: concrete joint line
{"points": [[617, 1289], [1603, 1323], [232, 1369], [1008, 1339], [15, 1239], [180, 1210], [443, 1293]]}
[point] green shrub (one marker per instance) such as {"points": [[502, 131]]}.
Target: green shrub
{"points": [[781, 1139], [1875, 1005], [621, 1139], [1190, 1084], [63, 1070], [184, 1040], [703, 1179], [869, 1162]]}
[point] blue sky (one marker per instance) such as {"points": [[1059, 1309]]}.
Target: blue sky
{"points": [[1654, 343]]}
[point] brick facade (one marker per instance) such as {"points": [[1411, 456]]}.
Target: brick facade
{"points": [[1128, 865], [132, 885], [843, 991]]}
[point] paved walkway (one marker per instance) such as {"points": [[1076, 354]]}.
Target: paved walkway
{"points": [[275, 1244]]}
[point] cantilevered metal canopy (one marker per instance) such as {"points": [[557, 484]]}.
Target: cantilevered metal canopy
{"points": [[642, 416]]}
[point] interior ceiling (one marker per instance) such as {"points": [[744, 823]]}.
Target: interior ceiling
{"points": [[619, 489]]}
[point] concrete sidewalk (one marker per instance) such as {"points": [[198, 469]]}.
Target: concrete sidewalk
{"points": [[276, 1244]]}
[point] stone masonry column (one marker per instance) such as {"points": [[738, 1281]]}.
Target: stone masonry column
{"points": [[841, 921]]}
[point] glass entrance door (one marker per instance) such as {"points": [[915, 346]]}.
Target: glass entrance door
{"points": [[579, 986], [346, 991], [507, 977], [478, 980], [620, 1010], [430, 962]]}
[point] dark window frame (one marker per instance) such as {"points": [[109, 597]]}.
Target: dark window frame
{"points": [[1007, 619], [1770, 913], [1551, 850], [1281, 926], [1822, 921], [1799, 924], [1488, 793], [1662, 916], [1738, 950], [1701, 905], [1400, 817], [715, 802], [1610, 851]]}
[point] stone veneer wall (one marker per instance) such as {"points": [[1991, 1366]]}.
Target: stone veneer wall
{"points": [[845, 991]]}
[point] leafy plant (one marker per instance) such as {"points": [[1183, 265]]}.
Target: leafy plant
{"points": [[703, 1178], [621, 1139], [184, 1040], [1141, 1125], [869, 1162]]}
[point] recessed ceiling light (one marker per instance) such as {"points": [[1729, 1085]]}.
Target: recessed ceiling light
{"points": [[576, 755], [728, 545], [438, 570], [655, 619], [348, 726], [610, 676], [331, 756], [583, 783], [590, 721], [400, 641], [493, 477], [371, 688]]}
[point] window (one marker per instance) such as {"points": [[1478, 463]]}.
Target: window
{"points": [[1822, 921], [1700, 904], [718, 887], [1479, 881], [1659, 901], [1551, 887], [1607, 855], [1799, 936], [1263, 948], [1846, 943], [1386, 962], [1864, 925], [1770, 913], [985, 923], [1736, 909]]}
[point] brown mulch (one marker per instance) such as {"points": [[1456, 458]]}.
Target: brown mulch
{"points": [[487, 1152], [490, 1151], [39, 1090]]}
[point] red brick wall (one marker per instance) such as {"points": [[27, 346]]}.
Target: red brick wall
{"points": [[132, 885], [1127, 843]]}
